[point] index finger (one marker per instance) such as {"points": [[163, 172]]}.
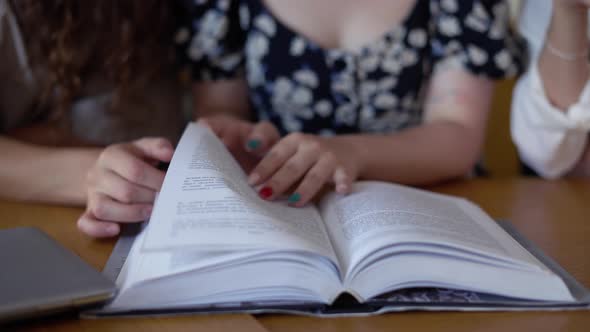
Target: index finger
{"points": [[262, 137], [123, 162]]}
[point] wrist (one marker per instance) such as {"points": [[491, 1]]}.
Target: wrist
{"points": [[356, 150], [565, 38], [71, 167]]}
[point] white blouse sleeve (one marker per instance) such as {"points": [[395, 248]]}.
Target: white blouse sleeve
{"points": [[548, 140]]}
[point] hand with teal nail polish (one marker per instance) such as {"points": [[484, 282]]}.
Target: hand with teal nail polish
{"points": [[294, 198], [262, 137], [307, 163], [247, 141], [253, 144]]}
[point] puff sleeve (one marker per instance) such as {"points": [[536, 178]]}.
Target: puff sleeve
{"points": [[549, 140], [477, 36], [210, 39]]}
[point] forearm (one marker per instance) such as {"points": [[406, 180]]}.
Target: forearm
{"points": [[422, 155], [221, 98], [33, 173], [563, 79], [448, 143]]}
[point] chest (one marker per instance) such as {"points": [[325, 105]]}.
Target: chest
{"points": [[346, 66], [342, 24]]}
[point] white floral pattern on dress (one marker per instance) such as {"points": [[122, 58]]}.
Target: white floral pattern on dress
{"points": [[477, 55], [307, 77], [301, 87], [449, 26], [418, 38], [297, 46], [323, 108], [244, 17], [449, 5], [265, 24]]}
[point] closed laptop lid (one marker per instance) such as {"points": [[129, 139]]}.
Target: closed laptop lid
{"points": [[38, 275]]}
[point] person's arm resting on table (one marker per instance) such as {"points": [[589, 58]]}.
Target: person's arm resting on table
{"points": [[34, 173], [446, 146], [551, 105]]}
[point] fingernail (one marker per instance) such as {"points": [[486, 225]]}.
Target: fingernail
{"points": [[341, 189], [204, 122], [253, 179], [253, 144], [265, 192], [147, 212], [294, 198], [164, 145], [112, 229]]}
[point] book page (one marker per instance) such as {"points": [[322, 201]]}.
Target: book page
{"points": [[378, 214], [206, 202]]}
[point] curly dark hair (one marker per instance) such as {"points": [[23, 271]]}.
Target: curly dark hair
{"points": [[128, 40]]}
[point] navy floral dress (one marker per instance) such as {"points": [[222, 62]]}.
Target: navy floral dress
{"points": [[301, 87]]}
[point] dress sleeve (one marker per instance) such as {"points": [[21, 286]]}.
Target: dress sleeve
{"points": [[210, 40], [477, 36]]}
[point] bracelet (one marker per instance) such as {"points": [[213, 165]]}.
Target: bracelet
{"points": [[566, 55]]}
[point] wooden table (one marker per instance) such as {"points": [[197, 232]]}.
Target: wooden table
{"points": [[555, 215]]}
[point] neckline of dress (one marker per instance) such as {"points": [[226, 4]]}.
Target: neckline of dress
{"points": [[363, 49]]}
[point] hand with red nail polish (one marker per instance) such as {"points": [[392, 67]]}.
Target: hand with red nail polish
{"points": [[308, 161], [265, 192]]}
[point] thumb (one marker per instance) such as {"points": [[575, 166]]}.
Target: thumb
{"points": [[342, 181], [153, 148], [205, 122]]}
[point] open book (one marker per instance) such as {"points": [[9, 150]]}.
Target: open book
{"points": [[213, 243]]}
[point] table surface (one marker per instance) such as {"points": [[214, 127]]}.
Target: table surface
{"points": [[553, 214]]}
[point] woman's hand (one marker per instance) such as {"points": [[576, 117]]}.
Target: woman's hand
{"points": [[123, 184], [309, 162], [247, 141]]}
